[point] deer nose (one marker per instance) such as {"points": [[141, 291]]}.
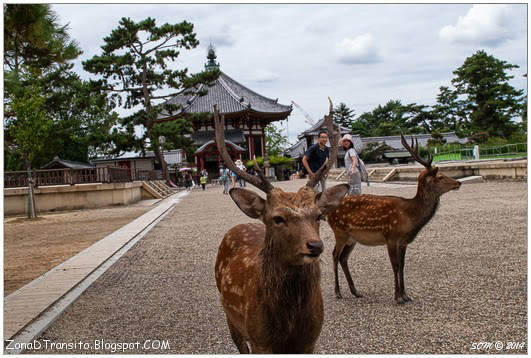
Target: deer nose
{"points": [[315, 247]]}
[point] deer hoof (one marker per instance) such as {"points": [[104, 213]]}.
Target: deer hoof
{"points": [[356, 294], [338, 295], [401, 300]]}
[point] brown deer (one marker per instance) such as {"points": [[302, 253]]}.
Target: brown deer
{"points": [[387, 220], [268, 273]]}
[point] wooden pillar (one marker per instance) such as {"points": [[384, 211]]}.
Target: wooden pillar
{"points": [[251, 138], [251, 143], [202, 161], [262, 139]]}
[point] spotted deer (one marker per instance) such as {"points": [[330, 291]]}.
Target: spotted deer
{"points": [[268, 273], [387, 220]]}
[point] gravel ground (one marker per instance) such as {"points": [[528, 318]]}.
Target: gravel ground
{"points": [[466, 273]]}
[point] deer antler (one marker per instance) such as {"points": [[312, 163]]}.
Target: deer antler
{"points": [[414, 151], [334, 143], [260, 182]]}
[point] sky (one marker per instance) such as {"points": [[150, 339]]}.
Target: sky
{"points": [[360, 54]]}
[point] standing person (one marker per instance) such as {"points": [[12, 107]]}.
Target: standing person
{"points": [[224, 178], [315, 157], [188, 181], [240, 180], [203, 181], [351, 164], [233, 179]]}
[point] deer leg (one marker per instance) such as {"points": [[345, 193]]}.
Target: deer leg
{"points": [[394, 256], [343, 259], [401, 262], [238, 339], [335, 255]]}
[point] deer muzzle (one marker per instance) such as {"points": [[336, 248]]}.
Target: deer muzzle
{"points": [[315, 248]]}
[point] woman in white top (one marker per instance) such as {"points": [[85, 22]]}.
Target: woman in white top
{"points": [[351, 163]]}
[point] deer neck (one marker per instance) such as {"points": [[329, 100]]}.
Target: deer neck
{"points": [[424, 205], [285, 284]]}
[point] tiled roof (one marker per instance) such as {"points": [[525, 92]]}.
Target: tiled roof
{"points": [[230, 96], [170, 156], [232, 135], [235, 146], [67, 164], [314, 130], [395, 142], [297, 150]]}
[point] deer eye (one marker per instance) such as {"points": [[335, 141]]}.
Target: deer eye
{"points": [[279, 220], [320, 217]]}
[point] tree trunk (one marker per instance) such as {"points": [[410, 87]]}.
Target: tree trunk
{"points": [[31, 197]]}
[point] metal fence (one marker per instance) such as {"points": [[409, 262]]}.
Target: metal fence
{"points": [[67, 176], [493, 152]]}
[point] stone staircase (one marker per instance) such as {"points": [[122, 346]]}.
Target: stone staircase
{"points": [[158, 188]]}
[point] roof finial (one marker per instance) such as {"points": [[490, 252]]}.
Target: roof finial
{"points": [[211, 56]]}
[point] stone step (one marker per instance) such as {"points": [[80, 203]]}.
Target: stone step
{"points": [[471, 179]]}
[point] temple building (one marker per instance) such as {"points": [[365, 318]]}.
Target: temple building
{"points": [[246, 113]]}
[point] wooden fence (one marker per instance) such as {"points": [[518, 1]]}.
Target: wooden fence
{"points": [[68, 176]]}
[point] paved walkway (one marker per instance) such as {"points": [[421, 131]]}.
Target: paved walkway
{"points": [[466, 273], [25, 304]]}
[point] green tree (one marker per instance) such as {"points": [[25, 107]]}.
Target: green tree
{"points": [[343, 115], [392, 118], [36, 50], [177, 133], [83, 117], [449, 113], [34, 40], [276, 142], [134, 64], [491, 103], [27, 133]]}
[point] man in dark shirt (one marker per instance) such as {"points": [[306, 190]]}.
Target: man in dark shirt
{"points": [[315, 157]]}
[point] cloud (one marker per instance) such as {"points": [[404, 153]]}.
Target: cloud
{"points": [[486, 24], [360, 49], [222, 39], [264, 76]]}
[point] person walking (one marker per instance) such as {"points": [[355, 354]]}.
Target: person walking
{"points": [[352, 165], [233, 179], [188, 181], [239, 179], [224, 173], [203, 181], [315, 157]]}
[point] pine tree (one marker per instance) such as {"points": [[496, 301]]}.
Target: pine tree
{"points": [[490, 102], [134, 63]]}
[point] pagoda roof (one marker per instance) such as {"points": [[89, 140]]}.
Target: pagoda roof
{"points": [[230, 97]]}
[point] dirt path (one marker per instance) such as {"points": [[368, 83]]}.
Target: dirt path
{"points": [[33, 247], [466, 273]]}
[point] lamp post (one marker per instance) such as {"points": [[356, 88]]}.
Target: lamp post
{"points": [[162, 140]]}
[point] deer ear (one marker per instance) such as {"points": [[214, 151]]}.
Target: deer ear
{"points": [[433, 171], [331, 198], [249, 202]]}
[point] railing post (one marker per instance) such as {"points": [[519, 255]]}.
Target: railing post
{"points": [[476, 152]]}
